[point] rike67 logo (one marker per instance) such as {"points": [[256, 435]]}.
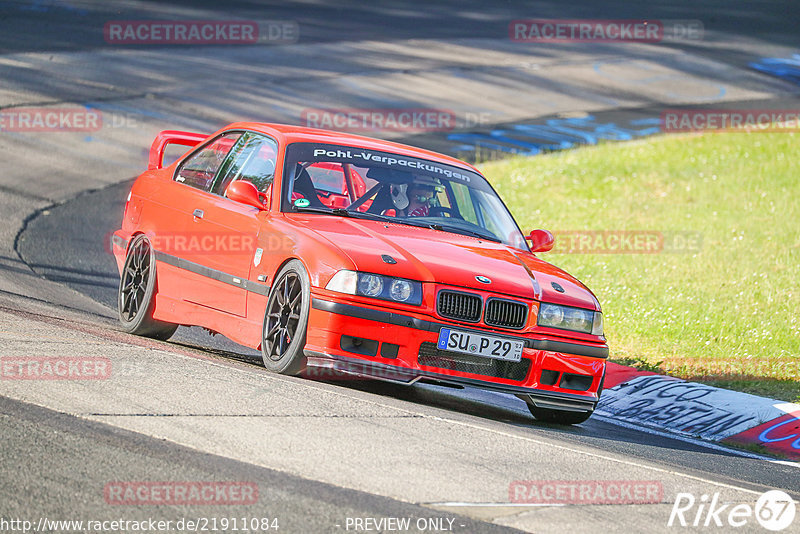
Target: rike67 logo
{"points": [[774, 510]]}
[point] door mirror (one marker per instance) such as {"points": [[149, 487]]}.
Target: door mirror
{"points": [[244, 192], [541, 240]]}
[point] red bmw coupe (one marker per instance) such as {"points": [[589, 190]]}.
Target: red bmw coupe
{"points": [[369, 258]]}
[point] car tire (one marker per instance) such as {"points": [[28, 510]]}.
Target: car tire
{"points": [[137, 289], [560, 417], [283, 335]]}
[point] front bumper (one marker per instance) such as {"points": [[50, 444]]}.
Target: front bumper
{"points": [[357, 340]]}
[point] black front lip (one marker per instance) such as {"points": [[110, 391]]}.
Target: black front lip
{"points": [[408, 321], [405, 375]]}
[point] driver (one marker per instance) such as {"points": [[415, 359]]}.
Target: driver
{"points": [[422, 195]]}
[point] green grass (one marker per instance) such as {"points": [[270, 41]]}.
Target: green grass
{"points": [[725, 313]]}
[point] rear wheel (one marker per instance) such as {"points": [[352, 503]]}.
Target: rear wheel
{"points": [[286, 321], [137, 289]]}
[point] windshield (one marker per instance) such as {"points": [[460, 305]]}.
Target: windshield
{"points": [[356, 182]]}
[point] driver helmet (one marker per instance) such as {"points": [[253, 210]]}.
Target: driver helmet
{"points": [[428, 184]]}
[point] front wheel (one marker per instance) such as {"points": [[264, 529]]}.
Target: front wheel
{"points": [[286, 321], [136, 296]]}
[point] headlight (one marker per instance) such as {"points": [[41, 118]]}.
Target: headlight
{"points": [[401, 290], [551, 315], [377, 286], [567, 318], [370, 285]]}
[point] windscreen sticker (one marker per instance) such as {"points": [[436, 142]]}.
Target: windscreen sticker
{"points": [[390, 160], [302, 202]]}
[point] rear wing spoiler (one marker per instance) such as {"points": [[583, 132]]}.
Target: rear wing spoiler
{"points": [[171, 137]]}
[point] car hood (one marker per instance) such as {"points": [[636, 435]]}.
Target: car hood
{"points": [[447, 258]]}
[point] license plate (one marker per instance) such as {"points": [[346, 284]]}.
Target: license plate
{"points": [[499, 348]]}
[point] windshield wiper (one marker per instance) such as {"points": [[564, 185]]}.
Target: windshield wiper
{"points": [[334, 211], [439, 227], [342, 212], [370, 216], [463, 231], [413, 223], [446, 228]]}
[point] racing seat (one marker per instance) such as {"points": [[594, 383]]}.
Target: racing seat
{"points": [[383, 201], [304, 186], [386, 177]]}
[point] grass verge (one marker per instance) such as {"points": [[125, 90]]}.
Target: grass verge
{"points": [[718, 300]]}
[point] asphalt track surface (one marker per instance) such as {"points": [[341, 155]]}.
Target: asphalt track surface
{"points": [[54, 463], [67, 22], [66, 489], [47, 250]]}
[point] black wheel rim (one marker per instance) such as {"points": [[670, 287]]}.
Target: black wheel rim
{"points": [[135, 279], [283, 316]]}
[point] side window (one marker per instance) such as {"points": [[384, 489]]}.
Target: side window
{"points": [[200, 168], [253, 160]]}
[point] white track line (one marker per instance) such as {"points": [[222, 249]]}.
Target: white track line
{"points": [[497, 504], [510, 435]]}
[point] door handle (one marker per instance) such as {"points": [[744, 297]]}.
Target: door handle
{"points": [[198, 213]]}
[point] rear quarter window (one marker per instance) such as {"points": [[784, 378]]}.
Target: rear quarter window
{"points": [[200, 168]]}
